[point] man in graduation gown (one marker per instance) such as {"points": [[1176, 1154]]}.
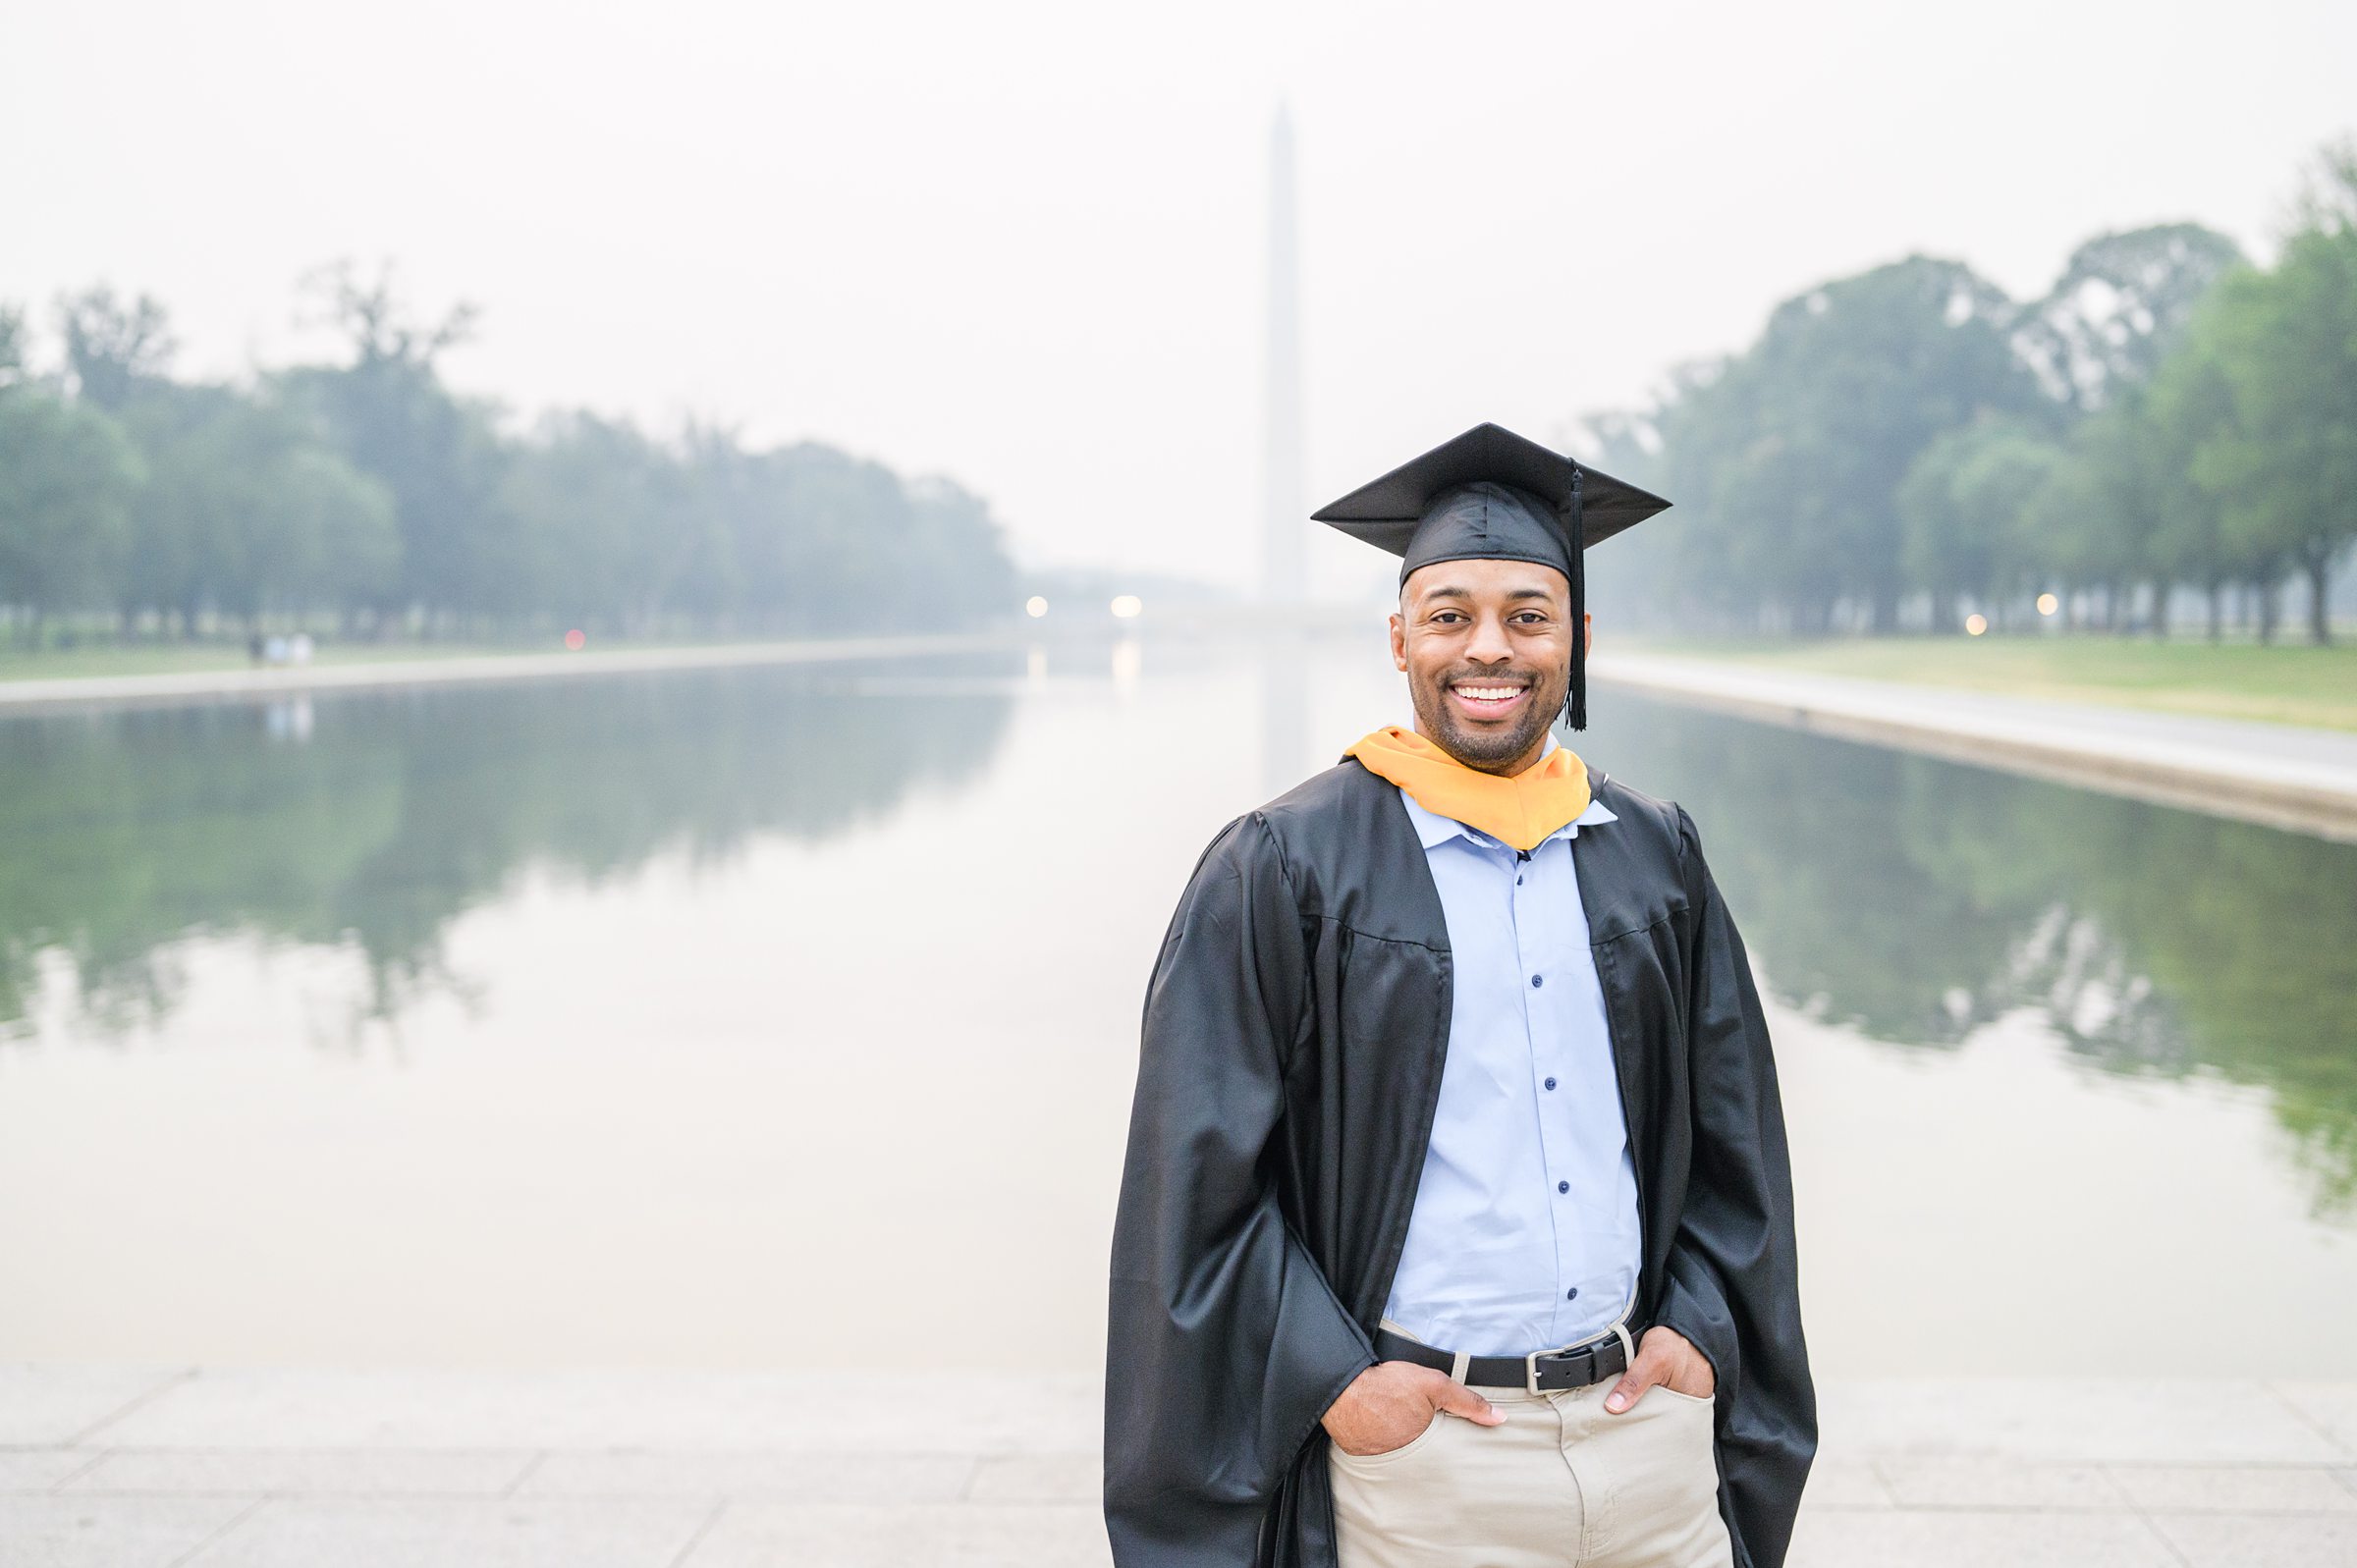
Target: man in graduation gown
{"points": [[1294, 1136]]}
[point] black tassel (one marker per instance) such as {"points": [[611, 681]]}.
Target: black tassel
{"points": [[1578, 702]]}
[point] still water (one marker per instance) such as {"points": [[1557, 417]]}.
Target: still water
{"points": [[787, 1018]]}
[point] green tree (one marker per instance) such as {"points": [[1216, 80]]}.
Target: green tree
{"points": [[2120, 305], [2111, 507], [595, 502], [438, 457], [112, 348], [817, 543], [954, 555], [369, 487], [249, 511], [713, 479], [11, 345], [2287, 343], [68, 479], [2189, 405], [1964, 508], [1792, 454], [335, 527]]}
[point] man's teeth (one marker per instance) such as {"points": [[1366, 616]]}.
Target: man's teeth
{"points": [[1488, 693]]}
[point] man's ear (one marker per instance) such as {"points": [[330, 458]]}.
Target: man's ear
{"points": [[1399, 642], [1587, 631]]}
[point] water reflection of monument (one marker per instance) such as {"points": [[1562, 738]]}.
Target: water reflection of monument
{"points": [[1286, 751]]}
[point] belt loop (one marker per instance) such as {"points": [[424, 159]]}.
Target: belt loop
{"points": [[1628, 1348], [1464, 1359]]}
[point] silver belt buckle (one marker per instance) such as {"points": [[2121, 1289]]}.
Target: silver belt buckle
{"points": [[1619, 1329], [1530, 1363]]}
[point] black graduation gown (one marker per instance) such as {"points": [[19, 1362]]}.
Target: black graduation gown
{"points": [[1294, 1027]]}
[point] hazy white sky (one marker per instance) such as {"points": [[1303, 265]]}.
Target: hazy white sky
{"points": [[1021, 243]]}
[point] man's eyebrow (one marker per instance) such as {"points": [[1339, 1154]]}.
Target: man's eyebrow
{"points": [[1431, 594]]}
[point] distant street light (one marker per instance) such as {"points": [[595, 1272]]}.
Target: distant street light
{"points": [[1976, 623], [1035, 607], [2047, 604], [1125, 606]]}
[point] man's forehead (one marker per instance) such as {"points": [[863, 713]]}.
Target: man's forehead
{"points": [[1483, 578]]}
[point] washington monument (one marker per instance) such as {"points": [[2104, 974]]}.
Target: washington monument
{"points": [[1286, 751], [1282, 522]]}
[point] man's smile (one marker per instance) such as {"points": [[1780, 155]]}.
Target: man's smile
{"points": [[1487, 699]]}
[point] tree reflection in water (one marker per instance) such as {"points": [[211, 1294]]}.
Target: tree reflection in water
{"points": [[388, 815], [1917, 900]]}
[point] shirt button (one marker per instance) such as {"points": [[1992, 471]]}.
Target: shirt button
{"points": [[1562, 1186], [1573, 1294], [1537, 979], [1550, 1083]]}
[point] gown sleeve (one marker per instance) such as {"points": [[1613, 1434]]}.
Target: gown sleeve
{"points": [[1225, 1343], [1732, 1284]]}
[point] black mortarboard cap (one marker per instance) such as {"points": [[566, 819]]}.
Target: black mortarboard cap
{"points": [[1491, 495]]}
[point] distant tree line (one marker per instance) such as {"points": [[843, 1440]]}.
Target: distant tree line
{"points": [[1908, 446], [367, 495]]}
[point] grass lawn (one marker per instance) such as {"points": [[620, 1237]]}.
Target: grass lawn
{"points": [[2291, 683]]}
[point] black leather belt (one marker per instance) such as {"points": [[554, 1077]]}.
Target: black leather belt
{"points": [[1538, 1372]]}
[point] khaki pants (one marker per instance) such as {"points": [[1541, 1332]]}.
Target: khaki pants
{"points": [[1562, 1484]]}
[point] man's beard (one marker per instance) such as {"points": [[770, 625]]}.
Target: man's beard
{"points": [[1486, 748]]}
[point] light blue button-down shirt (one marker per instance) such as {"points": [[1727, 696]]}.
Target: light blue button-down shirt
{"points": [[1524, 1235]]}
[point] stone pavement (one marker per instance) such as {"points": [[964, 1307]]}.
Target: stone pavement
{"points": [[113, 1467], [2285, 776]]}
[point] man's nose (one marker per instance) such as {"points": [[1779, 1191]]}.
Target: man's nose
{"points": [[1489, 642]]}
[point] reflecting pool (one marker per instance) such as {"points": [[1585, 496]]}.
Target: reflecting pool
{"points": [[787, 1017]]}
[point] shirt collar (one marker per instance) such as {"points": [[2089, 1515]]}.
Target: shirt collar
{"points": [[1432, 827]]}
